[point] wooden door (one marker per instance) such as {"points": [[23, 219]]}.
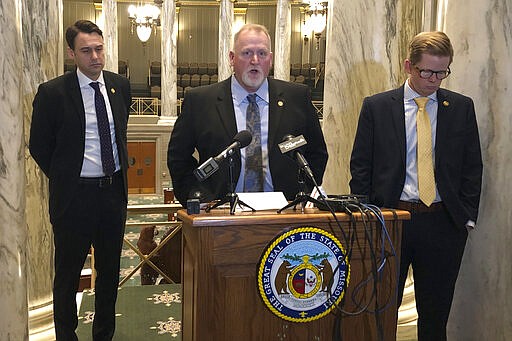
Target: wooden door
{"points": [[142, 170]]}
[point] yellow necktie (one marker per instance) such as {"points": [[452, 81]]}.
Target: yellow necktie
{"points": [[426, 181]]}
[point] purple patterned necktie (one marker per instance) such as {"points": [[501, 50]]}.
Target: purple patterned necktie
{"points": [[107, 157], [253, 180]]}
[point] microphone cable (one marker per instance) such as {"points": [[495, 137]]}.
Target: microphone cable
{"points": [[378, 260]]}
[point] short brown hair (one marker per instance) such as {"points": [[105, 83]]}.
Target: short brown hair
{"points": [[435, 43], [84, 26]]}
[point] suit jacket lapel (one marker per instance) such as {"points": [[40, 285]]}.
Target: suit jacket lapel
{"points": [[398, 118], [76, 97], [225, 107], [110, 91], [443, 121], [113, 97], [275, 111]]}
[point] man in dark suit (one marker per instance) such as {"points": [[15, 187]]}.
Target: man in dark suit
{"points": [[385, 167], [212, 116], [87, 175]]}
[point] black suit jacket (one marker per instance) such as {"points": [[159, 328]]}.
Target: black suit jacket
{"points": [[378, 157], [57, 133], [207, 123]]}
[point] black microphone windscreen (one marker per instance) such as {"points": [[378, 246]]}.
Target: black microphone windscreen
{"points": [[244, 137]]}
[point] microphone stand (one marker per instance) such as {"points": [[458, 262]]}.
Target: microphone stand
{"points": [[300, 198], [231, 196]]}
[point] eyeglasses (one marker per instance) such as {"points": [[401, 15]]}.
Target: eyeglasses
{"points": [[426, 74]]}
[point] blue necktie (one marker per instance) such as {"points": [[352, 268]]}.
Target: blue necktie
{"points": [[107, 157], [253, 180]]}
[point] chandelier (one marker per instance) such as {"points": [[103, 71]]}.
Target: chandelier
{"points": [[317, 20], [143, 19]]}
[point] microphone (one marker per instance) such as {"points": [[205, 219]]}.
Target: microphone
{"points": [[210, 166], [292, 144]]}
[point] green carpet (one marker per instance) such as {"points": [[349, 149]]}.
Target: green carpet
{"points": [[150, 312]]}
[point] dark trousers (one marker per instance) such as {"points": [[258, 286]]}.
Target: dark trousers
{"points": [[433, 246], [96, 217]]}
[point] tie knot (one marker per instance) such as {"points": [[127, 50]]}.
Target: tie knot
{"points": [[252, 98], [421, 102], [95, 86]]}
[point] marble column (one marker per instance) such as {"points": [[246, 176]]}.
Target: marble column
{"points": [[42, 60], [283, 40], [169, 57], [226, 18], [481, 34], [13, 250], [429, 15], [366, 44], [364, 56], [109, 28]]}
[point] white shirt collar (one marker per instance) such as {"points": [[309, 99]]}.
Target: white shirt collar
{"points": [[84, 81], [410, 94], [240, 94]]}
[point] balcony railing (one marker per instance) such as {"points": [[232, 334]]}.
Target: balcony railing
{"points": [[145, 106], [319, 107], [151, 106]]}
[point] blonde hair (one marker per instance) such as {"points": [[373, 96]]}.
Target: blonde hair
{"points": [[435, 43]]}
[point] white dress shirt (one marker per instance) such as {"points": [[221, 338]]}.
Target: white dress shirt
{"points": [[91, 166]]}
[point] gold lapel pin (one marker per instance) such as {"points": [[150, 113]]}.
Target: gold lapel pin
{"points": [[446, 103], [112, 90], [280, 103]]}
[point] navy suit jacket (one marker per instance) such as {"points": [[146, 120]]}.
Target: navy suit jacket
{"points": [[378, 158], [57, 133], [207, 123]]}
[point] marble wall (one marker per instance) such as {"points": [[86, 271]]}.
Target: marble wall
{"points": [[364, 56], [169, 59], [13, 250], [282, 40], [481, 33], [109, 26], [42, 60], [226, 19]]}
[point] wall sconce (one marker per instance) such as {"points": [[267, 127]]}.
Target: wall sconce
{"points": [[144, 19], [317, 21]]}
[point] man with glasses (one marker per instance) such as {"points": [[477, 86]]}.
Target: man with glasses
{"points": [[212, 115], [417, 148]]}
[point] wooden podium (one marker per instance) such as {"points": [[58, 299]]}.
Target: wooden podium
{"points": [[220, 292]]}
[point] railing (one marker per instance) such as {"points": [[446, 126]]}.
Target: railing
{"points": [[170, 210], [145, 106], [149, 106], [152, 106], [319, 107]]}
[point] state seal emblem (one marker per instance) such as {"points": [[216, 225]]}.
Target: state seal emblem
{"points": [[302, 274]]}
